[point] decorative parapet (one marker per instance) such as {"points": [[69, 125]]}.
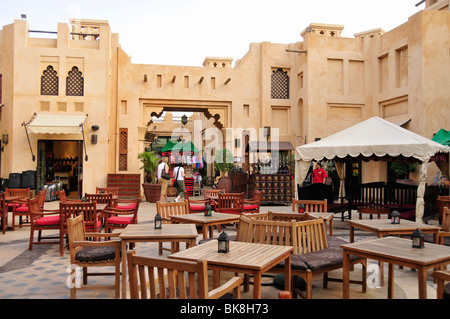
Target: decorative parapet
{"points": [[370, 33], [216, 62], [331, 30], [85, 29]]}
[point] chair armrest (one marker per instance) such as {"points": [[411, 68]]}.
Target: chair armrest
{"points": [[104, 235], [250, 201], [231, 285], [97, 243]]}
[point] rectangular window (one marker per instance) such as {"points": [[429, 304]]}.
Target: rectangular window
{"points": [[123, 149]]}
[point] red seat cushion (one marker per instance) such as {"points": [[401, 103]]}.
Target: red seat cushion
{"points": [[48, 221], [197, 207], [130, 206], [250, 206], [99, 225], [22, 209], [120, 220]]}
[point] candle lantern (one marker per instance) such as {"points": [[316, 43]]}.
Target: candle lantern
{"points": [[158, 221], [395, 217], [208, 210], [417, 239], [301, 208], [83, 199], [223, 243]]}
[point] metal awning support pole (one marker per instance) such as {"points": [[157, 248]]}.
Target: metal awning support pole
{"points": [[28, 137], [84, 143]]}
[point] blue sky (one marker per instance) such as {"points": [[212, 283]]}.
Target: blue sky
{"points": [[184, 32]]}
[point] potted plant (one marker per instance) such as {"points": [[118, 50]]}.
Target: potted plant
{"points": [[152, 190], [224, 162]]}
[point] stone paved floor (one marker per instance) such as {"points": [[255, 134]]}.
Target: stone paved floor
{"points": [[41, 273]]}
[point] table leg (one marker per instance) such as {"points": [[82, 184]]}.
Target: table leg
{"points": [[205, 231], [211, 231], [352, 234], [124, 269], [216, 278], [391, 281], [381, 265], [257, 285], [346, 275], [287, 273], [422, 275]]}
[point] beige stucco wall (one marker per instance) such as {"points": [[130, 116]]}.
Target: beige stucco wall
{"points": [[401, 75]]}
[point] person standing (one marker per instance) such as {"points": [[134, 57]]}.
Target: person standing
{"points": [[319, 174], [178, 172], [164, 182]]}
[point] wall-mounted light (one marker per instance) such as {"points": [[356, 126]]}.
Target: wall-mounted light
{"points": [[94, 138], [5, 138], [95, 127], [184, 119]]}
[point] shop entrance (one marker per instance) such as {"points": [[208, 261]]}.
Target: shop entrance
{"points": [[60, 162]]}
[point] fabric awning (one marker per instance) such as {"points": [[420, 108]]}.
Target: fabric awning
{"points": [[57, 124]]}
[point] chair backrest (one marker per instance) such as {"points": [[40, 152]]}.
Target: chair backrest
{"points": [[168, 278], [75, 209], [271, 232], [213, 193], [257, 195], [107, 190], [310, 236], [230, 202], [21, 192], [287, 217], [3, 205], [33, 205], [105, 198], [446, 219], [41, 198], [76, 232], [257, 216], [442, 202], [316, 206], [62, 196], [165, 210]]}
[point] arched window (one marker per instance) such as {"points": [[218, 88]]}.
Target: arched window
{"points": [[75, 83], [280, 84], [49, 81]]}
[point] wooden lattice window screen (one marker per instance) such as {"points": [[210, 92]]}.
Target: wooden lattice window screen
{"points": [[123, 149], [280, 84], [75, 83], [49, 82]]}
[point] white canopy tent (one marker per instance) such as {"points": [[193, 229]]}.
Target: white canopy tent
{"points": [[373, 138]]}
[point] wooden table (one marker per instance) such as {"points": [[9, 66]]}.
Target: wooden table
{"points": [[398, 251], [206, 221], [247, 258], [383, 227], [174, 233]]}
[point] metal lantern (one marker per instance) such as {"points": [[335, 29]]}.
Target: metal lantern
{"points": [[395, 217], [223, 243], [83, 199], [417, 239], [301, 208], [208, 210], [158, 221]]}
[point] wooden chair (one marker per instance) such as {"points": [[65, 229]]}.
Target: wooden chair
{"points": [[104, 198], [74, 209], [230, 203], [44, 220], [106, 190], [271, 232], [315, 254], [442, 289], [165, 210], [84, 253], [63, 198], [170, 278], [21, 193], [445, 232], [253, 205], [3, 212], [196, 205], [24, 211], [442, 202], [316, 206], [121, 216]]}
